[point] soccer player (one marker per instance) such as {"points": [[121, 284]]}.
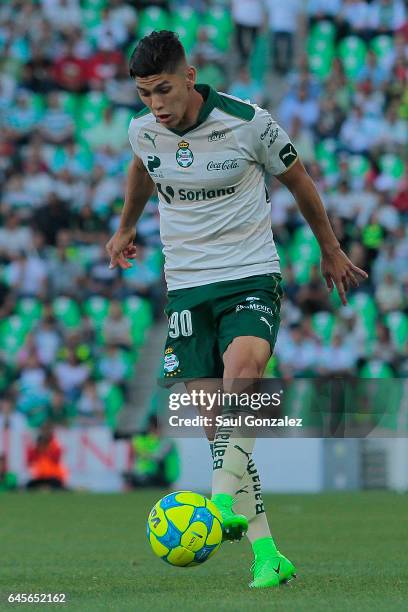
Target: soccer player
{"points": [[206, 153]]}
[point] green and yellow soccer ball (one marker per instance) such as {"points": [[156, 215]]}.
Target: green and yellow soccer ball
{"points": [[184, 528]]}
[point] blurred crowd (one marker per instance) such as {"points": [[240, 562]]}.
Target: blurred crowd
{"points": [[71, 328], [346, 109]]}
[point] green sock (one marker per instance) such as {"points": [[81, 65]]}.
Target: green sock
{"points": [[222, 498], [264, 547]]}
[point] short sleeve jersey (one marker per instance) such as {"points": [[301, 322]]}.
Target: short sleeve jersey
{"points": [[215, 215]]}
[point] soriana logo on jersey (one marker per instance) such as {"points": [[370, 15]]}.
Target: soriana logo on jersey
{"points": [[184, 155]]}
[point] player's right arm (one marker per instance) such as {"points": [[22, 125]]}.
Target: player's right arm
{"points": [[139, 188]]}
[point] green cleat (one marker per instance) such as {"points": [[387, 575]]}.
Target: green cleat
{"points": [[271, 571], [234, 525]]}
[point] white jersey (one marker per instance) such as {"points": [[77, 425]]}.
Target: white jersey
{"points": [[215, 216]]}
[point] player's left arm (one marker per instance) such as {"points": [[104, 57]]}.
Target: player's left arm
{"points": [[336, 267], [270, 146]]}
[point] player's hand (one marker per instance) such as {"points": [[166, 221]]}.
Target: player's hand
{"points": [[120, 248], [340, 272]]}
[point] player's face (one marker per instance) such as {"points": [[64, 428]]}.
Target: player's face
{"points": [[167, 95]]}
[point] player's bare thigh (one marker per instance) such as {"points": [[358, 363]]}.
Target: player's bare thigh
{"points": [[245, 358]]}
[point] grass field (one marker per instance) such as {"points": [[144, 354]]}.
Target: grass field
{"points": [[350, 550]]}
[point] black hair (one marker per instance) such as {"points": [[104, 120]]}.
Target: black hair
{"points": [[159, 52]]}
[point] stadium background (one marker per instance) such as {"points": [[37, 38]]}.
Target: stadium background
{"points": [[81, 345]]}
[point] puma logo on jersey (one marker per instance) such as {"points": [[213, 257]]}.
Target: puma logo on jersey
{"points": [[288, 154], [251, 298], [268, 324], [147, 136]]}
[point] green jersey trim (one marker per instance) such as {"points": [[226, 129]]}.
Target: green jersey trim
{"points": [[210, 101], [236, 108], [144, 111]]}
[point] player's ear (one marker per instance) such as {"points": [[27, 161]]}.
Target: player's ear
{"points": [[191, 75]]}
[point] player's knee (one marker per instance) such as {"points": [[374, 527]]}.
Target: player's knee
{"points": [[246, 358], [243, 365], [241, 370]]}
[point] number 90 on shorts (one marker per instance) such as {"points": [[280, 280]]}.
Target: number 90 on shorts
{"points": [[180, 323]]}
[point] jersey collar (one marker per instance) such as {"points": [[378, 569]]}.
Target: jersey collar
{"points": [[210, 95]]}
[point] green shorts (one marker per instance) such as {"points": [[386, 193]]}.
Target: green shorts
{"points": [[204, 320]]}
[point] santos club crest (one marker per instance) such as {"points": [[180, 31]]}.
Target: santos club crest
{"points": [[184, 155], [171, 362]]}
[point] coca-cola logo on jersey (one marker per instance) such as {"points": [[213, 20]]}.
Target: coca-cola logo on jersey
{"points": [[228, 164]]}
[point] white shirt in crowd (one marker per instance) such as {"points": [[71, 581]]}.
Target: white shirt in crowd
{"points": [[283, 15], [389, 296], [125, 15], [27, 276], [109, 33], [365, 127], [345, 205], [13, 241], [32, 378], [299, 356], [388, 217], [356, 14], [248, 12], [338, 358], [367, 201], [47, 343], [392, 133], [325, 7], [39, 185], [62, 13], [71, 376], [307, 110], [389, 17], [15, 421]]}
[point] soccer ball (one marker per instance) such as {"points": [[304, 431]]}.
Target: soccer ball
{"points": [[184, 528]]}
